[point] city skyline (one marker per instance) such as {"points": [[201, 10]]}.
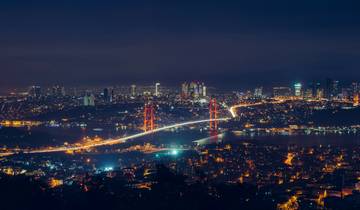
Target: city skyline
{"points": [[322, 83]]}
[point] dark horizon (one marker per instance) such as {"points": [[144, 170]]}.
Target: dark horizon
{"points": [[229, 45]]}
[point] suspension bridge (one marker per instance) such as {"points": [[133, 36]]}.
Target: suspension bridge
{"points": [[149, 128]]}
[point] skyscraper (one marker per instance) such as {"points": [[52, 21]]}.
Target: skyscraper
{"points": [[133, 90], [328, 88], [346, 94], [34, 91], [320, 93], [335, 88], [92, 100], [258, 92], [193, 90], [184, 90], [157, 89], [204, 92], [354, 88], [332, 88], [112, 95], [58, 91], [89, 99], [281, 91], [315, 88], [308, 93], [298, 89]]}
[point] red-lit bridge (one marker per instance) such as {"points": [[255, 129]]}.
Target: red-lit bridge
{"points": [[111, 141], [148, 129]]}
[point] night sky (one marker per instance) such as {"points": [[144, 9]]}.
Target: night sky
{"points": [[224, 43]]}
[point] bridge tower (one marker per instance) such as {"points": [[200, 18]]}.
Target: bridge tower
{"points": [[213, 114], [149, 117]]}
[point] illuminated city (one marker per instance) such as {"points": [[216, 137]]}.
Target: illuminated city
{"points": [[169, 110]]}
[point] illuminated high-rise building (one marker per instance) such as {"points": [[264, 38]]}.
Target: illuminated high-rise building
{"points": [[193, 90], [298, 89], [92, 100], [308, 93], [320, 93], [204, 91], [58, 91], [332, 88], [345, 94], [258, 92], [108, 95], [157, 89], [336, 88], [86, 100], [355, 88], [328, 88], [281, 91], [133, 90], [315, 87], [112, 95], [89, 99], [184, 90], [34, 91]]}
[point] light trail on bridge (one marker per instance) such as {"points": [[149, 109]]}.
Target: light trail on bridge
{"points": [[232, 109], [112, 141]]}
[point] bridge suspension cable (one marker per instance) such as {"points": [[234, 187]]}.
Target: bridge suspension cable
{"points": [[116, 141]]}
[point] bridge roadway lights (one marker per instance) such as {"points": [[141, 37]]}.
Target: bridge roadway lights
{"points": [[119, 140]]}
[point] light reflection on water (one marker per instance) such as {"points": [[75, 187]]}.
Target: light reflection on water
{"points": [[42, 136]]}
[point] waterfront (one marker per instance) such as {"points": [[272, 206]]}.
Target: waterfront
{"points": [[43, 136]]}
